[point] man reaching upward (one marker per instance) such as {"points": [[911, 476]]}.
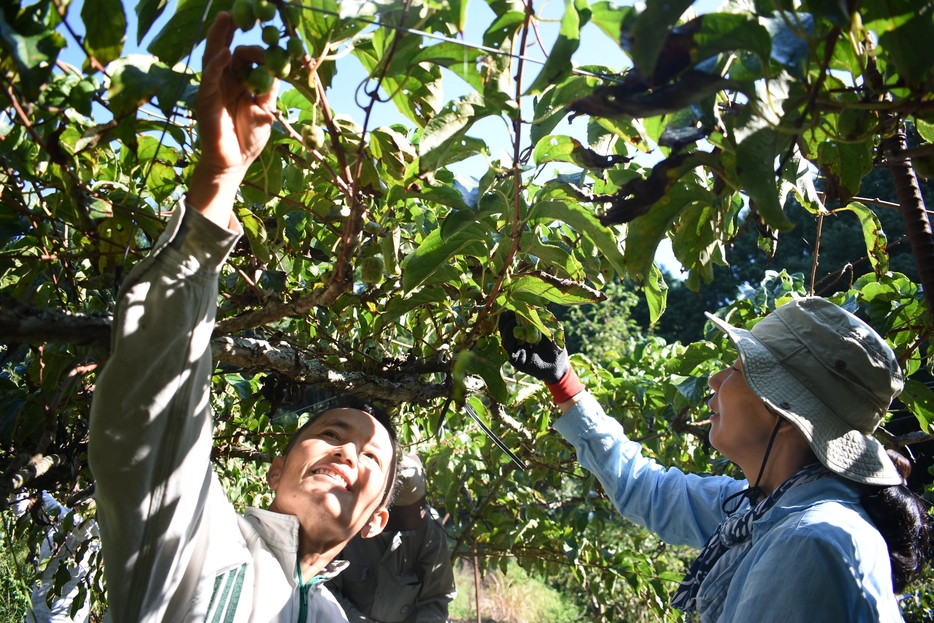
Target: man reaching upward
{"points": [[174, 548]]}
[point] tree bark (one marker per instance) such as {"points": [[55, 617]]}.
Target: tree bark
{"points": [[910, 201], [917, 224], [22, 324], [25, 324]]}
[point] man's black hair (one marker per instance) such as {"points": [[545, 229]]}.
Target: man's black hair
{"points": [[347, 401]]}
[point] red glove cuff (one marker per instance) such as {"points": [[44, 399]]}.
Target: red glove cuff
{"points": [[565, 389]]}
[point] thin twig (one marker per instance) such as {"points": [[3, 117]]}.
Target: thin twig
{"points": [[877, 202], [516, 234], [820, 227]]}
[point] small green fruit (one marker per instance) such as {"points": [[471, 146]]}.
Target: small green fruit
{"points": [[533, 335], [242, 13], [372, 227], [264, 10], [295, 48], [259, 81], [277, 61], [313, 136], [371, 271], [270, 35], [291, 14], [518, 332]]}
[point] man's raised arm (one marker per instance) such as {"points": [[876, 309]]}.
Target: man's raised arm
{"points": [[150, 418]]}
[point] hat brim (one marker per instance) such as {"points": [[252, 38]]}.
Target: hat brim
{"points": [[837, 445]]}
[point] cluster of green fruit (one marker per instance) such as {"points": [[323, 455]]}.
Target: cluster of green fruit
{"points": [[277, 61], [527, 333]]}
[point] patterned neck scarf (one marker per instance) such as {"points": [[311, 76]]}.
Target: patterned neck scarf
{"points": [[732, 531]]}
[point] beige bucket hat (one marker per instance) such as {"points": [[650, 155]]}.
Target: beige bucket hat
{"points": [[831, 375], [411, 481]]}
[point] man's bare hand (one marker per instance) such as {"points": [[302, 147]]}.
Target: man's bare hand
{"points": [[233, 124]]}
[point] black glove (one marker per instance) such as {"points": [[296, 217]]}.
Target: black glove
{"points": [[544, 360]]}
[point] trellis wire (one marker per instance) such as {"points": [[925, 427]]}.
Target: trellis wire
{"points": [[465, 44]]}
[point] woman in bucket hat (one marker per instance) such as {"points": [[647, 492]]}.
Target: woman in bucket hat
{"points": [[827, 532]]}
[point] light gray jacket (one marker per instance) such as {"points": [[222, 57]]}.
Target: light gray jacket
{"points": [[174, 548]]}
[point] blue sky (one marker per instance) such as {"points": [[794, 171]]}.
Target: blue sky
{"points": [[595, 48]]}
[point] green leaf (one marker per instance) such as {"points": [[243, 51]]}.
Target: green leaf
{"points": [[650, 31], [789, 48], [646, 231], [147, 12], [399, 306], [457, 220], [873, 235], [504, 27], [256, 235], [551, 256], [585, 223], [755, 161], [185, 29], [834, 11], [728, 32], [539, 292], [456, 57], [434, 252], [34, 53], [610, 17], [487, 363], [442, 194], [415, 89], [656, 294], [459, 373], [558, 66], [691, 387], [551, 108], [136, 79], [448, 128], [920, 401], [558, 148], [105, 25], [906, 30], [925, 129], [798, 178], [844, 165]]}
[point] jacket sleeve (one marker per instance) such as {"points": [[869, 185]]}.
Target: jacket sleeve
{"points": [[682, 509], [336, 586], [353, 615], [151, 425], [437, 576]]}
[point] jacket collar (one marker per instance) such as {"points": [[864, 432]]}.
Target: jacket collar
{"points": [[280, 534], [832, 488]]}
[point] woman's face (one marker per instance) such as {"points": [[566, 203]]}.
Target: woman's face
{"points": [[740, 424]]}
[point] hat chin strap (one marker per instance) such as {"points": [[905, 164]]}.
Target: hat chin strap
{"points": [[754, 492]]}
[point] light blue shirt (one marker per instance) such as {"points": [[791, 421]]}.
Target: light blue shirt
{"points": [[815, 555]]}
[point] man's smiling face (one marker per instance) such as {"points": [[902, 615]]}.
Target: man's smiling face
{"points": [[334, 477]]}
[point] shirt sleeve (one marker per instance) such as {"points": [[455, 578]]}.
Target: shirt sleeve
{"points": [[682, 509], [151, 424], [437, 576]]}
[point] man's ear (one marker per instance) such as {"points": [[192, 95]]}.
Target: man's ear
{"points": [[376, 524], [274, 473]]}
